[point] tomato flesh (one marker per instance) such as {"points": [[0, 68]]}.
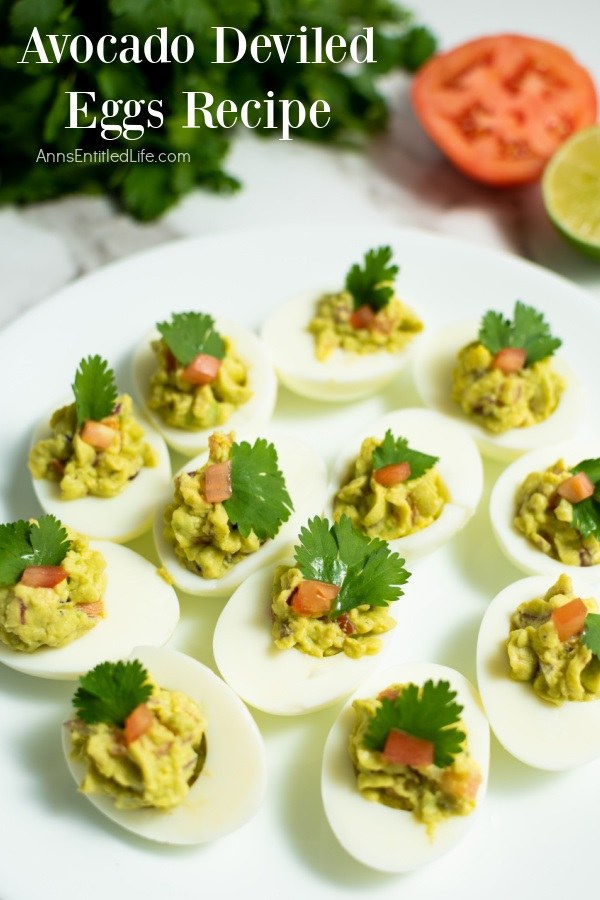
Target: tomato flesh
{"points": [[313, 598], [43, 576], [97, 434], [404, 749], [569, 619], [509, 360], [217, 482], [138, 723], [203, 369], [393, 474], [499, 106], [576, 488]]}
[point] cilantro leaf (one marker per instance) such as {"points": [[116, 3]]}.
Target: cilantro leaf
{"points": [[259, 501], [94, 389], [528, 330], [396, 450], [23, 544], [365, 569], [586, 517], [110, 691], [370, 286], [591, 467], [430, 713], [591, 633], [191, 333]]}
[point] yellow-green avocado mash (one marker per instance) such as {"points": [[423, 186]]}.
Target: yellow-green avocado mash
{"points": [[203, 537], [194, 406], [32, 617], [388, 512], [158, 768], [392, 328], [352, 633], [546, 519], [79, 468], [499, 401], [431, 793], [558, 670]]}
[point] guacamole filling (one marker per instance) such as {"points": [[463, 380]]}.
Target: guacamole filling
{"points": [[432, 794], [33, 617], [391, 328], [79, 468], [499, 401], [557, 670], [353, 633], [202, 536], [388, 512], [191, 407], [155, 770], [546, 519]]}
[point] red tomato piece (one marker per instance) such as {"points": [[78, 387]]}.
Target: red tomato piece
{"points": [[509, 360], [313, 598], [404, 749], [461, 784], [217, 482], [499, 106], [93, 610], [202, 370], [569, 619], [363, 317], [393, 474], [576, 488], [138, 723], [97, 434], [43, 576]]}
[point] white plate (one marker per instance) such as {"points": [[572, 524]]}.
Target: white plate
{"points": [[288, 847]]}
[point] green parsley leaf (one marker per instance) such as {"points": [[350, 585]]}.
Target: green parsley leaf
{"points": [[591, 633], [528, 330], [396, 450], [23, 544], [110, 691], [591, 467], [429, 713], [370, 286], [365, 569], [95, 390], [191, 333], [259, 501]]}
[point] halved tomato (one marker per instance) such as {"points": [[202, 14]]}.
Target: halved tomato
{"points": [[499, 106]]}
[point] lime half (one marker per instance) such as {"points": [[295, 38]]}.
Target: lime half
{"points": [[571, 190]]}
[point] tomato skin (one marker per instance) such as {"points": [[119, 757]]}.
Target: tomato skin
{"points": [[43, 576], [576, 488], [569, 619], [313, 598], [404, 749], [499, 106], [137, 723]]}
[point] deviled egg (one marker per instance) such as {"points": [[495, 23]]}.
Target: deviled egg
{"points": [[393, 839], [426, 514], [207, 781], [345, 344], [187, 398], [539, 726]]}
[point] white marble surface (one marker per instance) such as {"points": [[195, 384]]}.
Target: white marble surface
{"points": [[400, 179]]}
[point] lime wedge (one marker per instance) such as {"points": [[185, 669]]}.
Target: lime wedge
{"points": [[571, 190]]}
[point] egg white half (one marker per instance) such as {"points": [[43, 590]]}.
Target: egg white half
{"points": [[383, 838], [531, 729], [118, 518], [343, 376], [459, 466], [232, 783], [306, 480], [139, 606], [434, 364], [253, 414], [519, 550], [281, 682]]}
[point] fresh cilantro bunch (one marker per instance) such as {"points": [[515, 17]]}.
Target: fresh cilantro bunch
{"points": [[94, 389], [528, 331], [259, 500], [429, 713], [372, 285], [591, 633], [23, 544], [189, 334], [365, 569], [586, 514], [396, 450], [111, 691]]}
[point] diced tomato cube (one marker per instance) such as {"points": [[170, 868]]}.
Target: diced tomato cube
{"points": [[217, 482], [404, 749], [576, 488], [98, 434], [92, 610], [202, 370], [43, 576], [363, 317], [393, 474], [569, 619], [463, 784], [313, 598], [509, 360], [138, 723]]}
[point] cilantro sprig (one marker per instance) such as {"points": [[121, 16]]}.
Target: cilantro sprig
{"points": [[110, 691], [527, 330], [370, 285], [365, 569], [94, 389], [23, 544], [191, 333], [430, 713], [591, 633], [259, 499], [396, 450], [586, 513]]}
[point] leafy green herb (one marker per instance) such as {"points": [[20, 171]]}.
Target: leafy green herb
{"points": [[396, 450], [23, 544], [110, 691], [191, 333], [370, 286], [528, 330], [429, 713], [591, 633], [586, 514], [95, 390], [259, 501], [365, 569]]}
